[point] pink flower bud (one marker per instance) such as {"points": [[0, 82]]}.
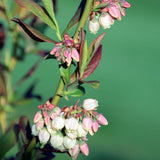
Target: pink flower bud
{"points": [[69, 143], [84, 149], [93, 26], [53, 51], [101, 119], [47, 120], [75, 54], [55, 112], [71, 124], [67, 53], [91, 132], [87, 123], [125, 4], [56, 140], [90, 104], [58, 123], [34, 130], [43, 136], [95, 126], [40, 124], [106, 21], [115, 12], [37, 117], [81, 132], [74, 151]]}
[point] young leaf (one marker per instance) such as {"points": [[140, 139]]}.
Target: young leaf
{"points": [[8, 140], [65, 73], [32, 33], [94, 45], [37, 10], [93, 63], [75, 18], [25, 129], [94, 84], [76, 92]]}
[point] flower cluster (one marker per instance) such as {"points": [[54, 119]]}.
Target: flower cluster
{"points": [[66, 50], [67, 129], [106, 14]]}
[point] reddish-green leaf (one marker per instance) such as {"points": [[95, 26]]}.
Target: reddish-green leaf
{"points": [[8, 140], [37, 10], [94, 84], [93, 63], [32, 33], [75, 92], [94, 45], [75, 18], [25, 129]]}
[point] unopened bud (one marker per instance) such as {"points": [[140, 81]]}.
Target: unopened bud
{"points": [[74, 151], [87, 123], [84, 149], [40, 124], [37, 117], [101, 119]]}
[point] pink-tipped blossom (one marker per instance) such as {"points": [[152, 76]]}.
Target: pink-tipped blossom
{"points": [[81, 132], [75, 54], [69, 143], [84, 149], [43, 136], [40, 124], [124, 4], [74, 152], [94, 26], [71, 124], [95, 126], [101, 119], [87, 123], [90, 104], [55, 112], [37, 117], [106, 21]]}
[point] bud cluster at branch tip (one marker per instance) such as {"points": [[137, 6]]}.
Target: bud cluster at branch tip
{"points": [[105, 12], [67, 129], [66, 50]]}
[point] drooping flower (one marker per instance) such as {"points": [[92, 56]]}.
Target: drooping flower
{"points": [[43, 136], [56, 140], [69, 143], [87, 123], [71, 124], [58, 123], [74, 151], [81, 132], [84, 149], [90, 104], [94, 26]]}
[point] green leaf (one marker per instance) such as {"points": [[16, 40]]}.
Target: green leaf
{"points": [[32, 33], [37, 10], [75, 92], [65, 73], [101, 5], [84, 58], [49, 7], [8, 140]]}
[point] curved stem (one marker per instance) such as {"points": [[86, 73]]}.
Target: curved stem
{"points": [[84, 18], [57, 96]]}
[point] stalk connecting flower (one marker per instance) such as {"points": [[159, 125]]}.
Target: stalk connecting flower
{"points": [[67, 129]]}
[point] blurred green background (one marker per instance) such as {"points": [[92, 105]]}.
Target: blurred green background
{"points": [[129, 94]]}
